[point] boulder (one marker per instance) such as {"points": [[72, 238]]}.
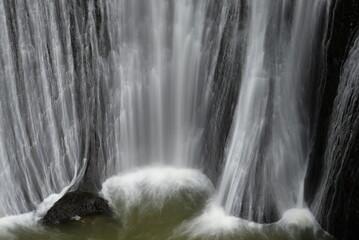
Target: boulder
{"points": [[76, 205]]}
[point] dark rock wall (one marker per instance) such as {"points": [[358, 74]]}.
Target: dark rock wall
{"points": [[339, 213], [336, 203]]}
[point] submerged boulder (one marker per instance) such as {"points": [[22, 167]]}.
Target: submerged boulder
{"points": [[75, 205]]}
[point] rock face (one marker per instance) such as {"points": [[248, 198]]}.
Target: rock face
{"points": [[339, 209], [345, 22], [74, 205]]}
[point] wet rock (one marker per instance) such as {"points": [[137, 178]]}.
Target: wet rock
{"points": [[345, 22], [339, 209], [74, 205]]}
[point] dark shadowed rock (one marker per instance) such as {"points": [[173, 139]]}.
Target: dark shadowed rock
{"points": [[345, 22], [340, 214], [76, 204]]}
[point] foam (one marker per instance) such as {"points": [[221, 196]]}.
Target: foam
{"points": [[174, 190], [30, 219], [212, 223], [7, 224], [154, 185], [299, 223], [300, 217]]}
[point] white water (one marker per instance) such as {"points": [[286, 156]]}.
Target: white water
{"points": [[31, 219], [156, 83], [270, 140], [123, 90], [142, 198], [40, 136], [154, 187]]}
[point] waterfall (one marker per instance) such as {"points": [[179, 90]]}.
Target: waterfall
{"points": [[90, 89], [41, 138], [102, 87], [270, 140], [154, 82]]}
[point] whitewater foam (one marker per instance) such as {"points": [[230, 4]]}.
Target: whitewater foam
{"points": [[181, 201], [155, 185], [31, 219], [213, 223], [298, 217]]}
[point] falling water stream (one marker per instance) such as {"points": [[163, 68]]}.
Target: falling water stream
{"points": [[116, 95], [270, 141]]}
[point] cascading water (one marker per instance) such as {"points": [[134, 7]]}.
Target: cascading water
{"points": [[155, 83], [270, 141], [41, 138], [119, 84]]}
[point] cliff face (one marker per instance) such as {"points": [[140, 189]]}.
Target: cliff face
{"points": [[333, 173]]}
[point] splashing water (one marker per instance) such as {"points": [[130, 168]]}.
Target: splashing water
{"points": [[147, 207]]}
